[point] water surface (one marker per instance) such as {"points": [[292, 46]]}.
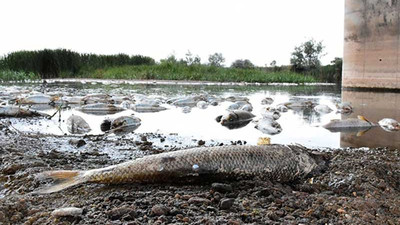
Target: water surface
{"points": [[300, 126]]}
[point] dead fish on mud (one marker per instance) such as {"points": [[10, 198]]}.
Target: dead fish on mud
{"points": [[359, 124], [120, 125], [235, 119], [100, 109], [271, 162], [77, 125], [389, 124], [17, 111]]}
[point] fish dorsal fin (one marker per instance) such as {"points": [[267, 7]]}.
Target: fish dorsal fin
{"points": [[363, 118]]}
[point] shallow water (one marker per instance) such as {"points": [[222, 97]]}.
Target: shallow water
{"points": [[301, 127]]}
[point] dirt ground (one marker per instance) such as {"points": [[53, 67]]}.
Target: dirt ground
{"points": [[360, 186]]}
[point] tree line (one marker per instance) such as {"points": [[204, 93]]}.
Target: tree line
{"points": [[305, 59]]}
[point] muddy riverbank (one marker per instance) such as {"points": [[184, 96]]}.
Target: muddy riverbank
{"points": [[360, 186]]}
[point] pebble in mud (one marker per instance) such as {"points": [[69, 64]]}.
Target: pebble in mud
{"points": [[159, 210], [123, 211], [226, 203], [220, 187]]}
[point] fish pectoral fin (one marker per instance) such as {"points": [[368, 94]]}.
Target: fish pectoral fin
{"points": [[68, 178]]}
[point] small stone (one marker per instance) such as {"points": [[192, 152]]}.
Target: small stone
{"points": [[159, 210], [233, 222], [118, 212], [12, 169], [143, 138], [201, 142], [2, 216], [67, 211], [186, 220], [220, 187], [226, 203], [198, 201], [77, 143], [340, 210]]}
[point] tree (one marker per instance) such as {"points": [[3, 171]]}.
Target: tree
{"points": [[216, 59], [242, 64], [192, 60], [273, 63], [307, 56]]}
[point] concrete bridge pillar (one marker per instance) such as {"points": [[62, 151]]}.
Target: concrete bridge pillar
{"points": [[371, 44]]}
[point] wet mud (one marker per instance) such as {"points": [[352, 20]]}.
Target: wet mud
{"points": [[359, 186]]}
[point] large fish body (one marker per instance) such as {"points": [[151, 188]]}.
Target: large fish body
{"points": [[349, 123], [273, 162]]}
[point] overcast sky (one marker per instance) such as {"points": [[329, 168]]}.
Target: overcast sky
{"points": [[258, 30]]}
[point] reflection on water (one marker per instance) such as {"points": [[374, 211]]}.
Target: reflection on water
{"points": [[374, 106]]}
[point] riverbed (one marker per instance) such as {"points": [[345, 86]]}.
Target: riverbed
{"points": [[360, 184]]}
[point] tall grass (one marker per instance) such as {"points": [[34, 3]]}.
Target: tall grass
{"points": [[176, 71], [8, 75]]}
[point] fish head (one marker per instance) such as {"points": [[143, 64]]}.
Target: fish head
{"points": [[229, 118]]}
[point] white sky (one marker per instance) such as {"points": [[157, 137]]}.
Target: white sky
{"points": [[258, 30]]}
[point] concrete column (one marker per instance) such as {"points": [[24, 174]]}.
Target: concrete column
{"points": [[371, 44]]}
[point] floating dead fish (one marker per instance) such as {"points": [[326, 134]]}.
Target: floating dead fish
{"points": [[267, 101], [281, 108], [121, 125], [237, 98], [235, 116], [235, 119], [100, 109], [202, 105], [241, 105], [37, 99], [348, 124], [344, 108], [270, 113], [186, 109], [190, 101], [17, 111], [322, 109], [268, 126], [73, 99], [142, 108], [77, 125], [271, 162], [389, 124], [299, 104], [97, 98]]}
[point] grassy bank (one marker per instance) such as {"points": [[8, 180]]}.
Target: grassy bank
{"points": [[195, 72], [9, 75], [61, 63]]}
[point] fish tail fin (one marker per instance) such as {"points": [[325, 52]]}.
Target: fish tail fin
{"points": [[66, 178]]}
